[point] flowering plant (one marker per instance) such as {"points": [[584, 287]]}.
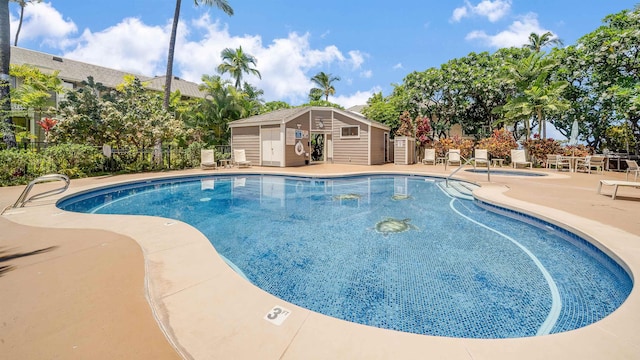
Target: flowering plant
{"points": [[47, 124], [499, 144]]}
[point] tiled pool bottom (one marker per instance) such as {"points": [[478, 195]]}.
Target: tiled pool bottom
{"points": [[305, 243]]}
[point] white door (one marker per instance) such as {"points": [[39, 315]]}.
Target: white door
{"points": [[272, 152]]}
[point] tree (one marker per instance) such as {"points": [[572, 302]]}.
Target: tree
{"points": [[22, 4], [221, 4], [236, 63], [325, 84], [8, 128], [537, 42]]}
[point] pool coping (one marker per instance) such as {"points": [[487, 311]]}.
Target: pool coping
{"points": [[184, 274]]}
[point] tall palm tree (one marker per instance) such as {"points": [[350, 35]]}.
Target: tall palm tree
{"points": [[7, 127], [221, 4], [22, 4], [537, 42], [236, 63], [324, 82]]}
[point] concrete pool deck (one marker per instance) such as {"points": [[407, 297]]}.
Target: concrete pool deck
{"points": [[207, 311]]}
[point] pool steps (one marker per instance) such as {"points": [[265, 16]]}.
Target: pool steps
{"points": [[458, 189]]}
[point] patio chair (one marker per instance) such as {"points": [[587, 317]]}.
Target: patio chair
{"points": [[552, 160], [207, 159], [453, 157], [632, 167], [564, 162], [593, 161], [518, 157], [481, 157], [429, 156], [240, 158]]}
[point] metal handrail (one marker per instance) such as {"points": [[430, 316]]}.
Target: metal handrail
{"points": [[462, 164], [42, 179]]}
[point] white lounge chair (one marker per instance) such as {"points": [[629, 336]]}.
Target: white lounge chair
{"points": [[518, 157], [240, 158], [481, 157], [207, 159], [552, 160], [453, 157], [429, 156], [616, 184], [632, 167]]}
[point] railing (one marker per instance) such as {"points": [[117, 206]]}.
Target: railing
{"points": [[462, 164], [42, 179]]}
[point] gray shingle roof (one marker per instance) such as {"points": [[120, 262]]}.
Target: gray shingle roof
{"points": [[284, 115], [76, 71]]}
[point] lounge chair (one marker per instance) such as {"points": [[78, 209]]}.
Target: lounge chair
{"points": [[207, 159], [632, 167], [518, 157], [616, 184], [481, 157], [240, 158], [453, 157], [593, 161], [429, 156]]}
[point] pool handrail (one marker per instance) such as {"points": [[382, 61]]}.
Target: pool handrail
{"points": [[22, 199], [462, 164]]}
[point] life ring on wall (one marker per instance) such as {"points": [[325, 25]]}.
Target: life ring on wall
{"points": [[299, 148]]}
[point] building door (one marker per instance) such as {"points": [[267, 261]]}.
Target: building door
{"points": [[317, 147], [272, 152]]}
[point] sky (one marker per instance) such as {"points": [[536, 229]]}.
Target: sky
{"points": [[369, 45]]}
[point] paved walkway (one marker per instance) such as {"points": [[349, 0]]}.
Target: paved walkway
{"points": [[82, 293]]}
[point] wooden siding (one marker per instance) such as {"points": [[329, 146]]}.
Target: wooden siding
{"points": [[377, 146], [247, 138], [350, 151], [290, 156]]}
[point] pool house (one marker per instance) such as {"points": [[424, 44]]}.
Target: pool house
{"points": [[308, 135]]}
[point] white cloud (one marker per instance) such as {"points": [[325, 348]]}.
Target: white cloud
{"points": [[517, 34], [145, 53], [356, 58], [359, 98], [367, 74], [42, 21], [492, 10], [459, 13], [286, 64], [398, 66]]}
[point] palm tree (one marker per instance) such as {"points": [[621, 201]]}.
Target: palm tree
{"points": [[221, 4], [325, 87], [537, 42], [22, 4], [237, 62], [7, 126]]}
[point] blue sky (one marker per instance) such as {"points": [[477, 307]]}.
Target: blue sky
{"points": [[370, 45]]}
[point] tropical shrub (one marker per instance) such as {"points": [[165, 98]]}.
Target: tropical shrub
{"points": [[75, 160], [499, 144], [538, 149], [576, 150], [443, 145], [21, 166]]}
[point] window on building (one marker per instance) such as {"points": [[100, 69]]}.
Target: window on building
{"points": [[350, 132]]}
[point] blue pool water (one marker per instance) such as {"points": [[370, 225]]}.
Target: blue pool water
{"points": [[458, 268]]}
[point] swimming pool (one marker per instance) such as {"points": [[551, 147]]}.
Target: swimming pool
{"points": [[330, 245]]}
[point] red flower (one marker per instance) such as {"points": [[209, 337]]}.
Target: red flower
{"points": [[47, 124]]}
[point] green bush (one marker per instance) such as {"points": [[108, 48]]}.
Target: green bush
{"points": [[18, 167], [75, 160]]}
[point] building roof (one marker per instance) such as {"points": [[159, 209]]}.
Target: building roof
{"points": [[76, 71], [285, 115]]}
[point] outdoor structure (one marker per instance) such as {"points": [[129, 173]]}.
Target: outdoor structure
{"points": [[300, 136], [72, 73], [404, 150]]}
